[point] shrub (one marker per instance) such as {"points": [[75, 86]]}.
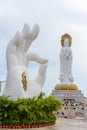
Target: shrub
{"points": [[28, 111]]}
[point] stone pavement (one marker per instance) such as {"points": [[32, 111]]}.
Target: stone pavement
{"points": [[64, 124]]}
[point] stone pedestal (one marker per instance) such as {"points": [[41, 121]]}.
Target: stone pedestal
{"points": [[68, 92]]}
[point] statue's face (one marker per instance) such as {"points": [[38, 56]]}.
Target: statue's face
{"points": [[66, 42]]}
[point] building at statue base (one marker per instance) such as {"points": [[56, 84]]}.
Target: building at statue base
{"points": [[66, 90]]}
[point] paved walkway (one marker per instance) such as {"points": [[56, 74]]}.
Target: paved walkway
{"points": [[64, 124]]}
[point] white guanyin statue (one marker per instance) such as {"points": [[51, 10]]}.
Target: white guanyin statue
{"points": [[66, 60], [19, 84]]}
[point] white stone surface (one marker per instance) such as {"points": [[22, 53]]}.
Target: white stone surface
{"points": [[76, 95], [18, 58], [66, 64]]}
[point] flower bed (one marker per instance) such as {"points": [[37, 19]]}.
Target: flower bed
{"points": [[26, 126], [28, 113]]}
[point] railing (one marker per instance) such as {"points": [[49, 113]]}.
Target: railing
{"points": [[73, 111]]}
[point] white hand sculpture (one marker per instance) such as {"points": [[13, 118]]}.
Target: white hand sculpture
{"points": [[18, 83]]}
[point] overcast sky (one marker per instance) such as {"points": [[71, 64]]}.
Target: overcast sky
{"points": [[54, 17]]}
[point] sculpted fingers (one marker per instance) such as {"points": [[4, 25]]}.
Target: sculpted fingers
{"points": [[26, 31], [34, 32], [30, 34]]}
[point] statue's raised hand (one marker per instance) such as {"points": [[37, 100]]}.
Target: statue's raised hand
{"points": [[18, 83]]}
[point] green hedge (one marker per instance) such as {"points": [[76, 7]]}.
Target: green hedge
{"points": [[28, 111]]}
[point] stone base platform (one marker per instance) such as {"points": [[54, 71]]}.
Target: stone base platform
{"points": [[74, 95]]}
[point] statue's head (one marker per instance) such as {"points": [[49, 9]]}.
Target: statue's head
{"points": [[66, 40]]}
